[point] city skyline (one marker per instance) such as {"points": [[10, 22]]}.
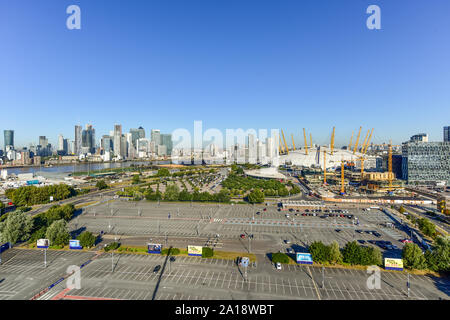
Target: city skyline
{"points": [[290, 66]]}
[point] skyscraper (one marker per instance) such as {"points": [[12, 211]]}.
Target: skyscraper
{"points": [[88, 140], [447, 134], [166, 140], [156, 136], [117, 139], [9, 138], [60, 142], [77, 141]]}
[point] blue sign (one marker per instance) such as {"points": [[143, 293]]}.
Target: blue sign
{"points": [[42, 243], [154, 248], [304, 258], [75, 245]]}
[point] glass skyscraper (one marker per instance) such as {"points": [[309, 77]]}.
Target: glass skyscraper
{"points": [[9, 138]]}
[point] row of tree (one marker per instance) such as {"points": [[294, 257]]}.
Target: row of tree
{"points": [[437, 259], [31, 195], [173, 193], [352, 253]]}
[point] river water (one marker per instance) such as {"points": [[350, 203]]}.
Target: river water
{"points": [[82, 167]]}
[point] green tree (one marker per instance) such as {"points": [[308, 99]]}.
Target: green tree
{"points": [[136, 179], [87, 239], [256, 196], [401, 210], [101, 184], [319, 252], [207, 252], [163, 172], [17, 227], [439, 258], [172, 193], [351, 253], [335, 253], [413, 257], [57, 233], [2, 207], [184, 195], [427, 227]]}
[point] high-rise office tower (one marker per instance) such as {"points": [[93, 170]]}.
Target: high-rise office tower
{"points": [[77, 141], [9, 138], [88, 140], [156, 136], [166, 140], [106, 143], [447, 134], [60, 142], [117, 143], [136, 134]]}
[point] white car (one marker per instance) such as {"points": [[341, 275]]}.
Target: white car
{"points": [[278, 265]]}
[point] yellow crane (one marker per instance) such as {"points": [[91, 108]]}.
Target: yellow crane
{"points": [[285, 144], [351, 139], [357, 140], [332, 141], [324, 167], [368, 142], [293, 142], [306, 142]]}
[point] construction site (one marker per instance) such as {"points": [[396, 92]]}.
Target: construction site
{"points": [[343, 173]]}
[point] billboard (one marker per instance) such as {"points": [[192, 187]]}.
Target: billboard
{"points": [[195, 250], [75, 245], [43, 243], [154, 248], [304, 258], [393, 264]]}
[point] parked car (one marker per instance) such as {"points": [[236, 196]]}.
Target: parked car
{"points": [[359, 231], [338, 230], [278, 266], [265, 209], [362, 241], [156, 269], [287, 241], [289, 250], [406, 241], [242, 236]]}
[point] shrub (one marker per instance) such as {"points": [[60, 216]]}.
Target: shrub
{"points": [[207, 252], [87, 239], [101, 184], [112, 246], [280, 257], [320, 252]]}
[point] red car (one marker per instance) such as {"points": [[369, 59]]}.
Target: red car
{"points": [[242, 236], [265, 209], [406, 241]]}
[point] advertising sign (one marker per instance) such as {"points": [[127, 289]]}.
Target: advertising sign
{"points": [[304, 258], [43, 243], [154, 248], [393, 264], [75, 245], [195, 250]]}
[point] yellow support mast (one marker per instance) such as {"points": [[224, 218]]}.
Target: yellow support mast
{"points": [[310, 139], [293, 142], [368, 141], [306, 142], [281, 145], [324, 167], [342, 178], [332, 141], [357, 140], [365, 141], [351, 139], [285, 144]]}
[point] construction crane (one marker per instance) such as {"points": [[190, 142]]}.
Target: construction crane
{"points": [[324, 167], [332, 141], [293, 142], [390, 166], [342, 178], [368, 141], [310, 139], [357, 140], [285, 144], [351, 139]]}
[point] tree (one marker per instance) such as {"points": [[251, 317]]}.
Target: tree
{"points": [[87, 239], [207, 252], [319, 252], [351, 253], [413, 257], [335, 253], [427, 227], [172, 193], [136, 179], [401, 210], [280, 257], [256, 196], [2, 207], [57, 233], [16, 227], [163, 172], [101, 184], [439, 258], [184, 196]]}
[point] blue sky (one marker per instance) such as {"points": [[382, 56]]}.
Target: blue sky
{"points": [[230, 63]]}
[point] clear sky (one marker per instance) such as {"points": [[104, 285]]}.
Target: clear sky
{"points": [[230, 63]]}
